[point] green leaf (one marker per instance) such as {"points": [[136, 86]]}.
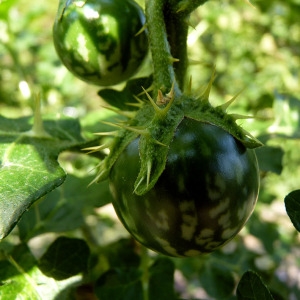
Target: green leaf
{"points": [[161, 279], [217, 280], [64, 258], [29, 167], [63, 209], [251, 287], [122, 254], [292, 205], [270, 159], [20, 278], [120, 99], [119, 284]]}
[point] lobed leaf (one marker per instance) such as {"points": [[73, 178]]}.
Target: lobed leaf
{"points": [[28, 164]]}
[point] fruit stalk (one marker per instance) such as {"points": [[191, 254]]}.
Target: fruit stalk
{"points": [[164, 74]]}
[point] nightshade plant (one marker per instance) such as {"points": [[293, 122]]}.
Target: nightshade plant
{"points": [[181, 173]]}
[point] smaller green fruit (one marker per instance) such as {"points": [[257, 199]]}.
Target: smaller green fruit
{"points": [[97, 39]]}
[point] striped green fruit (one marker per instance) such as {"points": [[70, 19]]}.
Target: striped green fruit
{"points": [[97, 40]]}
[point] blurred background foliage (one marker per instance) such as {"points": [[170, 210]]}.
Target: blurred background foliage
{"points": [[255, 49]]}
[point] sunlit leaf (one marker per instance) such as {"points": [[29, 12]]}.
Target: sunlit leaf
{"points": [[20, 278], [29, 167]]}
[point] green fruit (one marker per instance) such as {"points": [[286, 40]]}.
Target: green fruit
{"points": [[183, 175], [205, 194], [96, 39]]}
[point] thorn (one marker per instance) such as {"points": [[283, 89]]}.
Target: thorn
{"points": [[97, 148], [205, 96], [141, 131], [159, 143], [182, 6], [107, 133], [138, 184], [173, 59], [228, 103], [156, 108], [149, 166], [149, 89], [240, 117], [168, 99], [99, 175], [127, 114], [171, 97], [139, 102], [189, 88], [171, 94], [250, 137], [142, 29], [190, 24]]}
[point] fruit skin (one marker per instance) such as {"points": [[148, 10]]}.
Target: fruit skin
{"points": [[202, 199], [97, 40]]}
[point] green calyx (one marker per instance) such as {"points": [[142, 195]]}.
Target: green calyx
{"points": [[155, 124]]}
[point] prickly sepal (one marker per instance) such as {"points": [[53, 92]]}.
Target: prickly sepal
{"points": [[155, 124], [201, 110]]}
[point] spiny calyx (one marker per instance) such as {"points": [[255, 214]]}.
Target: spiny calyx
{"points": [[155, 124]]}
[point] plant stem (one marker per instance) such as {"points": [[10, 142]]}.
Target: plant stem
{"points": [[164, 74], [167, 23], [177, 31]]}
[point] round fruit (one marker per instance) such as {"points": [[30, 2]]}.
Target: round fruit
{"points": [[97, 39], [202, 199]]}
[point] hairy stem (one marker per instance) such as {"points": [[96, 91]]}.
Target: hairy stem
{"points": [[164, 74], [177, 31]]}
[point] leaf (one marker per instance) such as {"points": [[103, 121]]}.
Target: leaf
{"points": [[120, 99], [28, 164], [217, 280], [161, 279], [63, 209], [20, 278], [292, 205], [122, 254], [119, 284], [270, 159], [65, 258], [251, 287]]}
